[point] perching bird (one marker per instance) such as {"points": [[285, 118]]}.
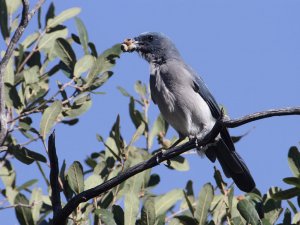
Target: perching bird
{"points": [[186, 103]]}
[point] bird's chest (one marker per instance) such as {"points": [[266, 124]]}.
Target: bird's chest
{"points": [[181, 106], [169, 97]]}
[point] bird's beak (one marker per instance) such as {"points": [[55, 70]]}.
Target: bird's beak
{"points": [[129, 45]]}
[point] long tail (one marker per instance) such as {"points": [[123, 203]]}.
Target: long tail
{"points": [[232, 163]]}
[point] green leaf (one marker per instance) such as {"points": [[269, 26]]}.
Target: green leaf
{"points": [[11, 194], [206, 196], [123, 91], [106, 216], [27, 184], [12, 6], [237, 221], [286, 194], [160, 126], [29, 40], [103, 63], [118, 214], [153, 181], [83, 35], [63, 16], [8, 174], [296, 218], [139, 131], [287, 220], [9, 74], [31, 75], [47, 41], [99, 81], [92, 181], [188, 203], [292, 206], [27, 156], [79, 107], [179, 163], [65, 52], [135, 115], [140, 88], [3, 20], [219, 180], [164, 202], [248, 212], [183, 219], [49, 118], [50, 12], [131, 205], [36, 202], [75, 177], [272, 210], [23, 213], [293, 181], [12, 98], [83, 65], [294, 160], [148, 212]]}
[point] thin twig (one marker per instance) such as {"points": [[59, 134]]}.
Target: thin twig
{"points": [[261, 115]]}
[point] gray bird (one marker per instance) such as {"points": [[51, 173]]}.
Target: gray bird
{"points": [[186, 103]]}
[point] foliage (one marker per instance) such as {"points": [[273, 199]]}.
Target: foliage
{"points": [[36, 62]]}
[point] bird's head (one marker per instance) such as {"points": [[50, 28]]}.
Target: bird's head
{"points": [[152, 46]]}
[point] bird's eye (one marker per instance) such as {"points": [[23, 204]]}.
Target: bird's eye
{"points": [[150, 38]]}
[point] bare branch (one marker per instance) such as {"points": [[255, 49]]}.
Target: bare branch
{"points": [[261, 115], [84, 196], [26, 16]]}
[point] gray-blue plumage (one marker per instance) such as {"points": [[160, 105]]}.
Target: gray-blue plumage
{"points": [[186, 103]]}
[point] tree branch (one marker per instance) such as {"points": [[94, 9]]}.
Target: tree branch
{"points": [[261, 115], [84, 196], [26, 16]]}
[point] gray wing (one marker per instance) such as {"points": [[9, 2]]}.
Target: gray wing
{"points": [[200, 87], [152, 88]]}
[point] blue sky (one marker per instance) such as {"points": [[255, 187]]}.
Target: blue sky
{"points": [[247, 52]]}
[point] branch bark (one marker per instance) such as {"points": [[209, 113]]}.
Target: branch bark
{"points": [[84, 196], [26, 16]]}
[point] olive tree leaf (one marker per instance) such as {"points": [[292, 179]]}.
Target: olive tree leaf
{"points": [[3, 20], [23, 212], [83, 35], [75, 177], [83, 65], [49, 118], [103, 63], [47, 41], [106, 216], [65, 52], [164, 202], [12, 6], [179, 163], [248, 212], [30, 39], [148, 212], [294, 160], [205, 199], [63, 16], [36, 202], [8, 174]]}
